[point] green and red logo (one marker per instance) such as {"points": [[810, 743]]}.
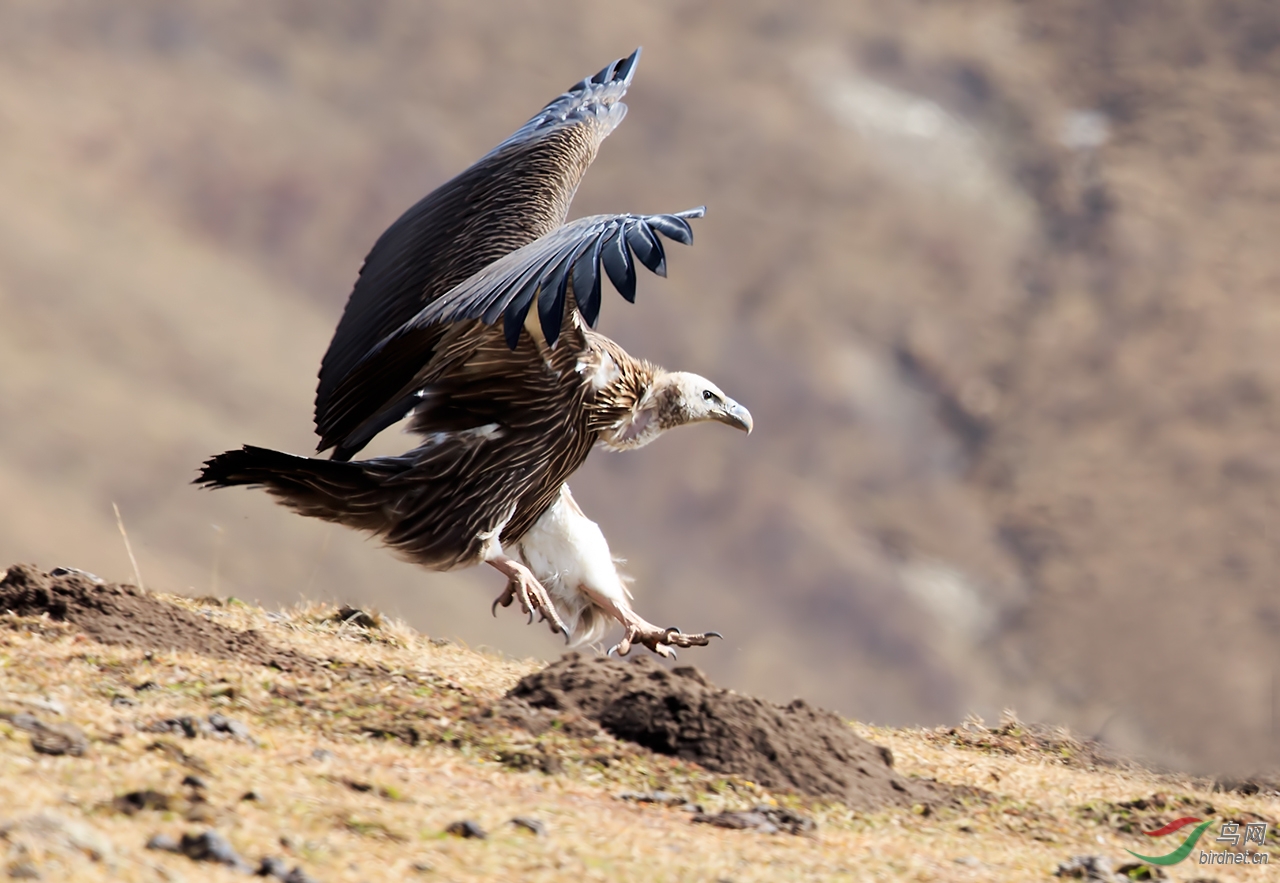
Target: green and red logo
{"points": [[1182, 851]]}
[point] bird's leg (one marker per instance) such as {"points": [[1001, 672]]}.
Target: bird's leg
{"points": [[524, 587], [638, 630]]}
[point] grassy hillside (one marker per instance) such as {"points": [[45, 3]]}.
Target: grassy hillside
{"points": [[349, 750]]}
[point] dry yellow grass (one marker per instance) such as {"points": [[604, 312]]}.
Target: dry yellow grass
{"points": [[376, 807]]}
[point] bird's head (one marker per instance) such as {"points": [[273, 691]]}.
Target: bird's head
{"points": [[673, 399]]}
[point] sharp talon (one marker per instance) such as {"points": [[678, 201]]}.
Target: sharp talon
{"points": [[567, 639], [713, 635], [530, 622], [494, 608], [613, 651]]}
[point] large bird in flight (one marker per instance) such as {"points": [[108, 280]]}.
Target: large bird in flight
{"points": [[475, 312]]}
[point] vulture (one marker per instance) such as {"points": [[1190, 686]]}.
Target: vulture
{"points": [[474, 315]]}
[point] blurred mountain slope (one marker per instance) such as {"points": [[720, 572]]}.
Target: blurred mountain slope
{"points": [[997, 280]]}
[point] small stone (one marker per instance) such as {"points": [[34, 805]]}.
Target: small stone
{"points": [[663, 798], [210, 846], [122, 702], [193, 782], [533, 826], [271, 866], [164, 843], [763, 819], [424, 867], [467, 829], [356, 616], [232, 727], [297, 875], [136, 801], [59, 739], [250, 796], [322, 754], [1086, 867]]}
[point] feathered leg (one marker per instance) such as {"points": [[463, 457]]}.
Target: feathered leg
{"points": [[568, 552], [524, 587]]}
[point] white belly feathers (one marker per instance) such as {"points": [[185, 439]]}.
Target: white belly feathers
{"points": [[570, 557]]}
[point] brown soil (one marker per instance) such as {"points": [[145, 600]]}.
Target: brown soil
{"points": [[679, 712], [131, 617]]}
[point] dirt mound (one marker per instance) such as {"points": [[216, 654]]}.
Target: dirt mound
{"points": [[679, 712], [132, 617]]}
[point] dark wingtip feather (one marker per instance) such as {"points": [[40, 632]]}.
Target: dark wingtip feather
{"points": [[616, 257], [551, 303], [513, 320], [674, 227], [586, 284], [627, 67], [648, 250]]}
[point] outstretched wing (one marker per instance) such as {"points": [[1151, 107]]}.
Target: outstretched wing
{"points": [[519, 191], [384, 386]]}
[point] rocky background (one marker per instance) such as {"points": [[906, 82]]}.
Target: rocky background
{"points": [[998, 281]]}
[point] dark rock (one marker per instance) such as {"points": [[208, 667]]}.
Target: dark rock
{"points": [[210, 846], [533, 826], [232, 727], [466, 828], [665, 798], [271, 866], [1086, 867], [297, 875], [186, 725], [137, 801], [762, 819], [356, 616], [193, 782]]}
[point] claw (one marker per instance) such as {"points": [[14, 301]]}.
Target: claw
{"points": [[713, 635], [531, 594]]}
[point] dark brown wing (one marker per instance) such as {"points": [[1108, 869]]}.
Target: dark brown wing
{"points": [[519, 191], [396, 374]]}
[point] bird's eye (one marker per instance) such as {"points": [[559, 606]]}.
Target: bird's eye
{"points": [[709, 396]]}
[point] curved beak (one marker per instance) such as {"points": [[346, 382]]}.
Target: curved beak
{"points": [[735, 415]]}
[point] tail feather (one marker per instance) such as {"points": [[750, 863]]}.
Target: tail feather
{"points": [[353, 494]]}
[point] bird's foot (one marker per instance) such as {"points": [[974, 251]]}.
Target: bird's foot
{"points": [[661, 641], [524, 587]]}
